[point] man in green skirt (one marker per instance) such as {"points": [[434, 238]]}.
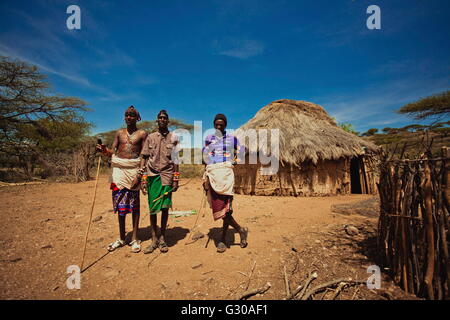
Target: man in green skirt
{"points": [[158, 160]]}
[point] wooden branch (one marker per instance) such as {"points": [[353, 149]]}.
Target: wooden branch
{"points": [[295, 292], [446, 179], [338, 290], [429, 232], [250, 276], [325, 293], [400, 216], [403, 246], [330, 284], [6, 184], [261, 290], [286, 283], [354, 294], [446, 205], [310, 279]]}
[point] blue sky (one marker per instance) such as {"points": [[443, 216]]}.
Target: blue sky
{"points": [[199, 58]]}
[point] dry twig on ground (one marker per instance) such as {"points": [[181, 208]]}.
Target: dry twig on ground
{"points": [[310, 279], [250, 276], [261, 290], [286, 283], [333, 283]]}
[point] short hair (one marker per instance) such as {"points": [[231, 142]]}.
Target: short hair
{"points": [[220, 116], [163, 112], [133, 109]]}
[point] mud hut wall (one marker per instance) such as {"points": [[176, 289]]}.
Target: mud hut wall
{"points": [[245, 177], [325, 178]]}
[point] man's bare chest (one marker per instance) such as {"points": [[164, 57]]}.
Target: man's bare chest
{"points": [[130, 141]]}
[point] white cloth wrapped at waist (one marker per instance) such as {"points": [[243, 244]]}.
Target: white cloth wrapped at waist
{"points": [[124, 171], [221, 177]]}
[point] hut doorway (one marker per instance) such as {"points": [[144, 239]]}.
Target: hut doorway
{"points": [[355, 179]]}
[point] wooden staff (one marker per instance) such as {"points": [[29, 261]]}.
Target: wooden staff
{"points": [[92, 210], [162, 196], [196, 219]]}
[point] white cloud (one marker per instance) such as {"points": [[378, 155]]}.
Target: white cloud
{"points": [[385, 122], [376, 105], [46, 43], [238, 48], [102, 94], [6, 51]]}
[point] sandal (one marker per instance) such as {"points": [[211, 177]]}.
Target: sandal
{"points": [[243, 233], [151, 247], [116, 244], [135, 246], [221, 247], [163, 246]]}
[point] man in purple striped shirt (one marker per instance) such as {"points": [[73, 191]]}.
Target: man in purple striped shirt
{"points": [[220, 148], [220, 154]]}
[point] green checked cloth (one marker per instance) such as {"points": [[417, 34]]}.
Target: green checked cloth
{"points": [[155, 189]]}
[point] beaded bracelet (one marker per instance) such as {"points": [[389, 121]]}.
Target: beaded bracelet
{"points": [[107, 152]]}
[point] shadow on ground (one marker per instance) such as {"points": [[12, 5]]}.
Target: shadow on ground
{"points": [[231, 239], [173, 235]]}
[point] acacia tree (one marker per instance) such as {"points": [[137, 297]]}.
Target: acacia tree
{"points": [[433, 107], [35, 124], [370, 132], [149, 126]]}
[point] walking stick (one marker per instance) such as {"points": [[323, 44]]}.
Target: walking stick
{"points": [[163, 195], [196, 219], [92, 210]]}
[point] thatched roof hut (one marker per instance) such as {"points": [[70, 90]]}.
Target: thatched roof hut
{"points": [[315, 155]]}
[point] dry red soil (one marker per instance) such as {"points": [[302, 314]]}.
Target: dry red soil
{"points": [[43, 229]]}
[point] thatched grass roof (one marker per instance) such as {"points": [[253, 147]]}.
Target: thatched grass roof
{"points": [[307, 132]]}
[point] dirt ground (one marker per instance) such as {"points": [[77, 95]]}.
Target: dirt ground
{"points": [[43, 229]]}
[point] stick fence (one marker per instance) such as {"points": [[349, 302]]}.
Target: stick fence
{"points": [[413, 227]]}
